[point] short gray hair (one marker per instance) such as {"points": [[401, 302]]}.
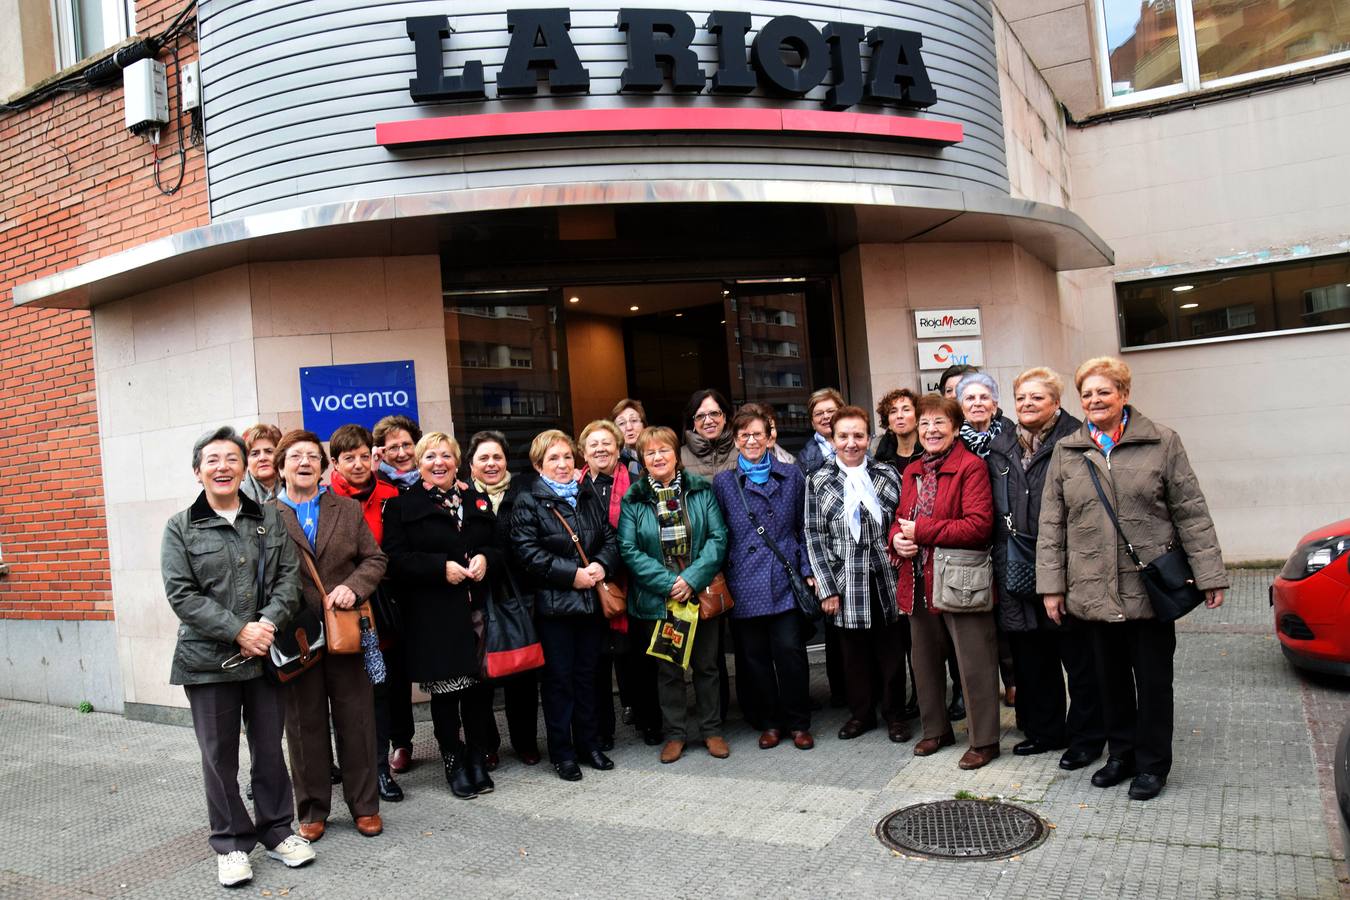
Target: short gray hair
{"points": [[223, 433], [976, 378]]}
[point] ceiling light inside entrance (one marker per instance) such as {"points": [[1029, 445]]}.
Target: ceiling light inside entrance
{"points": [[1183, 288], [1189, 305], [632, 309], [573, 299]]}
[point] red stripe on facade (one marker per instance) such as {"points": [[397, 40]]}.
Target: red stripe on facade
{"points": [[578, 121]]}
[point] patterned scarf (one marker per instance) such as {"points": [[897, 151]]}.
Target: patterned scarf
{"points": [[306, 511], [670, 516], [1031, 443], [757, 472], [566, 491], [402, 479], [928, 487], [450, 501], [1107, 442], [859, 493], [977, 442], [494, 492]]}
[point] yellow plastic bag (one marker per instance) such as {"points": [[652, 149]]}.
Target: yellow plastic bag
{"points": [[673, 637]]}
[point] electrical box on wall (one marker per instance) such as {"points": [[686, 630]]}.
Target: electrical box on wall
{"points": [[145, 92]]}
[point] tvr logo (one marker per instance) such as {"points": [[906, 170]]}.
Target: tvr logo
{"points": [[946, 356]]}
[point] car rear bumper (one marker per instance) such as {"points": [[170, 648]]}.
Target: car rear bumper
{"points": [[1316, 663]]}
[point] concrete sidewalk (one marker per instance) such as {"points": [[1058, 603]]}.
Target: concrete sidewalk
{"points": [[96, 805]]}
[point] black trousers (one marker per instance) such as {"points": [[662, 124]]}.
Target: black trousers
{"points": [[1134, 669], [472, 708], [834, 666], [639, 676], [604, 693], [572, 647], [873, 661], [397, 704], [772, 672], [217, 711], [1042, 658], [520, 696]]}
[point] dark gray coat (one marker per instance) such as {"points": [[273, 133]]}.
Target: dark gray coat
{"points": [[1017, 494], [210, 573]]}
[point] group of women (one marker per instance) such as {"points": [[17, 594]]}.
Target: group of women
{"points": [[954, 532]]}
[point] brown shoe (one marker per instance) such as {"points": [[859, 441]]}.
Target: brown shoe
{"points": [[976, 757], [672, 751], [312, 831], [770, 738], [369, 825], [854, 728], [898, 732], [717, 746], [802, 740], [400, 760], [929, 746], [1010, 696]]}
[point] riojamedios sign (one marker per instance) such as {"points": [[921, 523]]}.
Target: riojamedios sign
{"points": [[658, 42]]}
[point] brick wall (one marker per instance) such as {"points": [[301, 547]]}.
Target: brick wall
{"points": [[74, 186]]}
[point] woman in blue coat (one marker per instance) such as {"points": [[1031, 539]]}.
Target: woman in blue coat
{"points": [[761, 491]]}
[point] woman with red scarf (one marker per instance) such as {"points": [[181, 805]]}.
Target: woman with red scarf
{"points": [[945, 506]]}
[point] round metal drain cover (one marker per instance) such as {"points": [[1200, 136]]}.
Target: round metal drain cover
{"points": [[962, 829]]}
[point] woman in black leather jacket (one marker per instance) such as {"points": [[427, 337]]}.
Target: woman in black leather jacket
{"points": [[567, 609], [1018, 459]]}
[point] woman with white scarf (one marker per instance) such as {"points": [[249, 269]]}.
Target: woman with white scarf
{"points": [[850, 502]]}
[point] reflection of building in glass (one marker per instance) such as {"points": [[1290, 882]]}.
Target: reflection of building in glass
{"points": [[503, 361], [775, 353], [1237, 36], [1149, 57]]}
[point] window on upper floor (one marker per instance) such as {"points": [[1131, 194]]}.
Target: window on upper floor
{"points": [[84, 27], [1158, 48], [1309, 294]]}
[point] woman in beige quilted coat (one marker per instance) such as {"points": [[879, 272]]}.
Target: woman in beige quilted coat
{"points": [[1082, 564]]}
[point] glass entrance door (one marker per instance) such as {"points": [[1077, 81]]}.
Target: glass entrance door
{"points": [[508, 366]]}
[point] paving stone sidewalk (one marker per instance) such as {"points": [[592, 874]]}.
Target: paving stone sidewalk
{"points": [[98, 806]]}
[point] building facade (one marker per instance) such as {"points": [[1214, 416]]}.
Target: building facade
{"points": [[538, 211]]}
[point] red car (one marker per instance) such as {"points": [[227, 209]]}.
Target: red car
{"points": [[1311, 597]]}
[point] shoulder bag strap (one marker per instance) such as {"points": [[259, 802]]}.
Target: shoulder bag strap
{"points": [[576, 541], [1101, 495], [1007, 500], [313, 571], [262, 563], [759, 529]]}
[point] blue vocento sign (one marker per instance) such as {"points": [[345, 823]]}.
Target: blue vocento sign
{"points": [[362, 394]]}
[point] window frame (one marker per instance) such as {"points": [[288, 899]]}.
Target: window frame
{"points": [[119, 21], [1190, 63], [1220, 339]]}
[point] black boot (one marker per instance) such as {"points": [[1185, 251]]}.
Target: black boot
{"points": [[478, 774], [389, 789], [457, 776], [956, 710]]}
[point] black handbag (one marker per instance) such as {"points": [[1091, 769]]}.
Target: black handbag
{"points": [[808, 604], [1019, 568], [298, 647], [1168, 578]]}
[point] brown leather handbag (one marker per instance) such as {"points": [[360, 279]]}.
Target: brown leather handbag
{"points": [[613, 595], [715, 599], [341, 627]]}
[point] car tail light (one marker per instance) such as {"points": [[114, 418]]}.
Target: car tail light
{"points": [[1314, 555]]}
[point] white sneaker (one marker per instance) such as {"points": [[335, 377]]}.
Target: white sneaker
{"points": [[233, 868], [295, 852]]}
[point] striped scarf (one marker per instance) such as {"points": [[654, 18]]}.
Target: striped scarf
{"points": [[977, 442], [670, 516], [1107, 442]]}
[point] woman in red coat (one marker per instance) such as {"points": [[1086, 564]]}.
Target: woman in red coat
{"points": [[945, 512]]}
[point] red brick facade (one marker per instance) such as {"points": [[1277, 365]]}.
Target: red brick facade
{"points": [[74, 186]]}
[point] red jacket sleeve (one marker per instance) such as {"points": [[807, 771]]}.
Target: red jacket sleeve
{"points": [[907, 500], [975, 525]]}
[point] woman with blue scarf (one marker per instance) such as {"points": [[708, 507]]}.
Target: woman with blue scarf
{"points": [[544, 522], [773, 676]]}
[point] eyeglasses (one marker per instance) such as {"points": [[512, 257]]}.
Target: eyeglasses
{"points": [[625, 421], [395, 448], [751, 437], [654, 452], [302, 456], [715, 416], [824, 414]]}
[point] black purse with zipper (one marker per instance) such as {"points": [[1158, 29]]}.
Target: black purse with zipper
{"points": [[1168, 578]]}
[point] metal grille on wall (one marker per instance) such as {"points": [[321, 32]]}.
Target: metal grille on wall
{"points": [[293, 94]]}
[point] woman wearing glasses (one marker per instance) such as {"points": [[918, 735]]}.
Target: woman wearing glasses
{"points": [[764, 492], [673, 540], [708, 445], [333, 533]]}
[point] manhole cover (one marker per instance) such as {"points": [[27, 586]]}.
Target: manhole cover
{"points": [[961, 829]]}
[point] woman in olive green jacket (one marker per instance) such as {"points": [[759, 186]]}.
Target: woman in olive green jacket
{"points": [[1082, 565], [673, 539]]}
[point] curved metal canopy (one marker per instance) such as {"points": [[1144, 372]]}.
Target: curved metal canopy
{"points": [[399, 226]]}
